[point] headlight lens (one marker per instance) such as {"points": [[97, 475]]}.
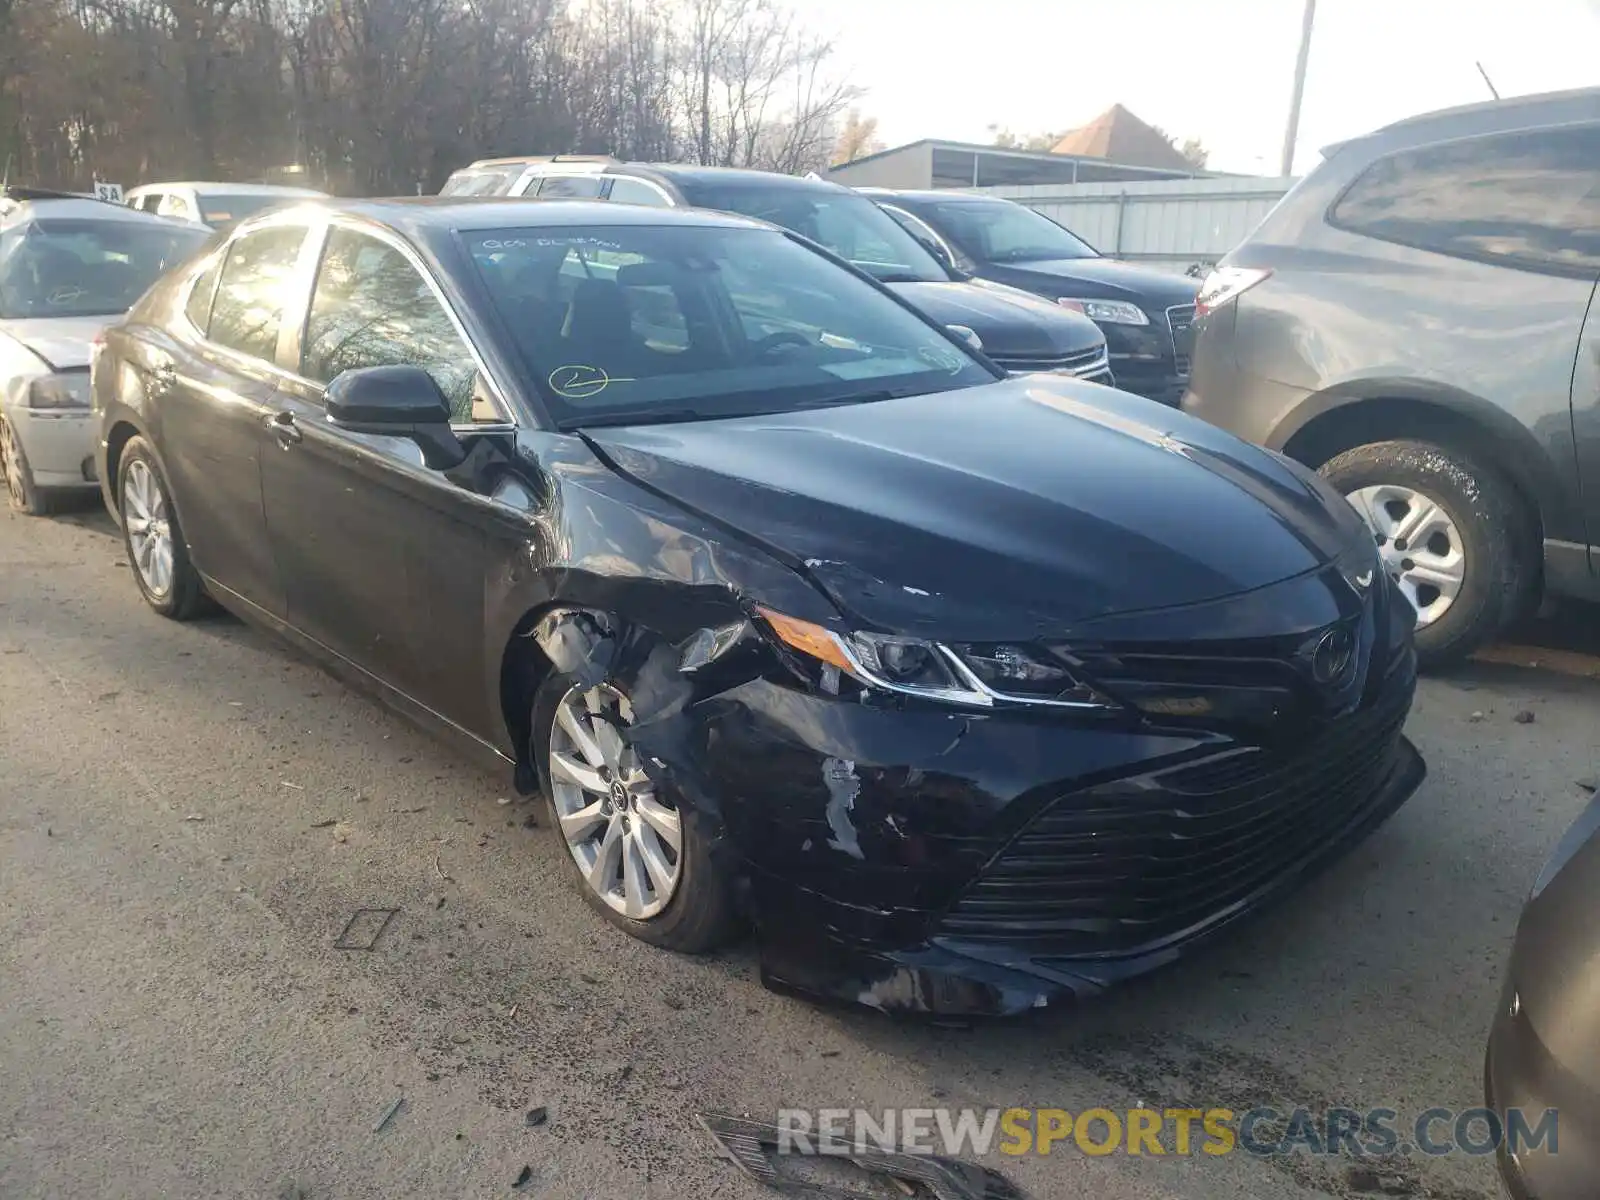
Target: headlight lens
{"points": [[1111, 312], [978, 676], [60, 391]]}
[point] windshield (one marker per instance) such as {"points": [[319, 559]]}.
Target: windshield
{"points": [[852, 226], [992, 232], [636, 324], [225, 210], [86, 268]]}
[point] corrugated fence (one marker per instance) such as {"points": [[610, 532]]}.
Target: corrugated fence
{"points": [[1172, 223]]}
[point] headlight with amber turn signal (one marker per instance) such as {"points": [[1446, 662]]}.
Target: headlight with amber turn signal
{"points": [[974, 675]]}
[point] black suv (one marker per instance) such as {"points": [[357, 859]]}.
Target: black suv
{"points": [[1145, 313], [1415, 319], [1017, 332]]}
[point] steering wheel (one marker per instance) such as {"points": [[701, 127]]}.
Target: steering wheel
{"points": [[775, 341]]}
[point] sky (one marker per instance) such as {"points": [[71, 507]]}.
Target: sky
{"points": [[1218, 70]]}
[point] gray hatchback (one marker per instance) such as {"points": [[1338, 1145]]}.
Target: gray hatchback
{"points": [[1415, 320]]}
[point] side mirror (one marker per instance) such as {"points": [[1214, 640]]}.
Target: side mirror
{"points": [[397, 401], [967, 335]]}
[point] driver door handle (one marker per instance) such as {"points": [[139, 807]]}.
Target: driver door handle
{"points": [[284, 429]]}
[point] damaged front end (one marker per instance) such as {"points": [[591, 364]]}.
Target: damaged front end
{"points": [[965, 830]]}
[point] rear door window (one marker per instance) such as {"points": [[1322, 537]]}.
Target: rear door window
{"points": [[570, 187], [634, 191], [1528, 199], [258, 280]]}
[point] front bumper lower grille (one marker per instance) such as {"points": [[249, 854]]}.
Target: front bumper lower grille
{"points": [[1118, 868]]}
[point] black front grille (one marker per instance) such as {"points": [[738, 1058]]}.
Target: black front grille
{"points": [[1086, 362], [1114, 868], [1180, 320]]}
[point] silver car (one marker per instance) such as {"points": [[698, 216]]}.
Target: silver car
{"points": [[68, 267]]}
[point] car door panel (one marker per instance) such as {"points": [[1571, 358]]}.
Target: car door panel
{"points": [[383, 558], [215, 395]]}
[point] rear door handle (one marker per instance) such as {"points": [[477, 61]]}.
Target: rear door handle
{"points": [[284, 429]]}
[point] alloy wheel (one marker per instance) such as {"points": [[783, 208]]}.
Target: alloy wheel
{"points": [[11, 462], [144, 514], [1419, 544], [626, 839]]}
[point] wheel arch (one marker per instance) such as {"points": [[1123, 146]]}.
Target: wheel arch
{"points": [[1383, 410], [122, 432]]}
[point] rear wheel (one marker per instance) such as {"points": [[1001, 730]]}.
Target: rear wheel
{"points": [[23, 494], [642, 860], [1448, 531], [154, 540]]}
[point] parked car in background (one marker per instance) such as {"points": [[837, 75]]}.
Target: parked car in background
{"points": [[1544, 1047], [68, 265], [1416, 320], [1016, 331], [219, 205], [973, 692], [1145, 314]]}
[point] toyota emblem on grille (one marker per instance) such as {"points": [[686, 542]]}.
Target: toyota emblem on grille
{"points": [[1333, 657]]}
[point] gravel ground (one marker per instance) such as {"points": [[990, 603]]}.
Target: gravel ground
{"points": [[189, 815]]}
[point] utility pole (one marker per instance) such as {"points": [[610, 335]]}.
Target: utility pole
{"points": [[1293, 130]]}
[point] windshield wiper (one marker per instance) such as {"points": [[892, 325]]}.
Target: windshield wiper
{"points": [[907, 277]]}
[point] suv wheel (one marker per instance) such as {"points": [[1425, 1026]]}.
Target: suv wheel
{"points": [[642, 859], [1446, 528]]}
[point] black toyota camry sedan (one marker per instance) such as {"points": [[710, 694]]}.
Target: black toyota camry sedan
{"points": [[972, 693]]}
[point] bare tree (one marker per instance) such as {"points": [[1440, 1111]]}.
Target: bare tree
{"points": [[391, 95]]}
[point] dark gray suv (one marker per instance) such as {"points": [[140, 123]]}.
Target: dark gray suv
{"points": [[1416, 320]]}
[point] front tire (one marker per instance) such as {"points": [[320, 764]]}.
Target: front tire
{"points": [[642, 859], [1448, 530], [23, 494], [153, 537]]}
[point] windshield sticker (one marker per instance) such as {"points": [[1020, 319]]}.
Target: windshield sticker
{"points": [[578, 382]]}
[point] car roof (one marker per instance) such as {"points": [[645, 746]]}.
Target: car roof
{"points": [[662, 172], [930, 195], [84, 209], [212, 188], [1487, 116], [423, 214]]}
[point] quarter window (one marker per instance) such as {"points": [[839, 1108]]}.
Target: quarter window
{"points": [[371, 308], [258, 281], [1528, 199], [198, 309]]}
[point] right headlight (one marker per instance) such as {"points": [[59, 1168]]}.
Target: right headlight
{"points": [[975, 675]]}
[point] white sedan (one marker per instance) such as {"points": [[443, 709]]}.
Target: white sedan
{"points": [[69, 266]]}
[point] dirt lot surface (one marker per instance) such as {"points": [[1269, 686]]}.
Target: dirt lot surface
{"points": [[190, 815]]}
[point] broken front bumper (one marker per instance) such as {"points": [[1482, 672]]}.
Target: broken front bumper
{"points": [[959, 864]]}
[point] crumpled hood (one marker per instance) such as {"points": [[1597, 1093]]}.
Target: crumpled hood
{"points": [[62, 343], [1100, 278], [1010, 326], [1021, 507]]}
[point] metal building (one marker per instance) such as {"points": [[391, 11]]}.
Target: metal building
{"points": [[935, 164]]}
